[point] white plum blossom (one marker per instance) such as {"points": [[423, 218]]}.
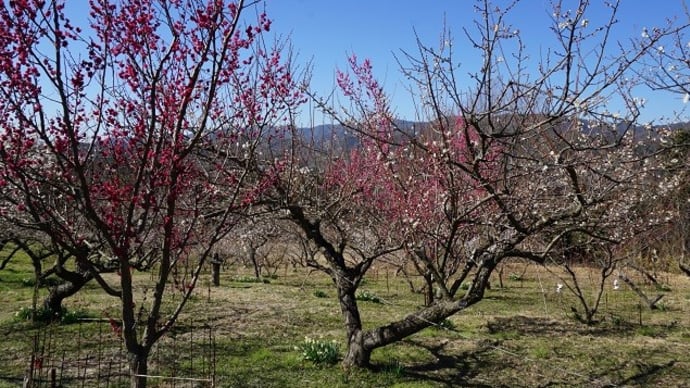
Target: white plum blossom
{"points": [[563, 25]]}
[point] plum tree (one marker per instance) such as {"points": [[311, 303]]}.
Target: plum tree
{"points": [[138, 134], [528, 156]]}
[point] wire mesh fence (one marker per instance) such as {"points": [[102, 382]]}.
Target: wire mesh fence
{"points": [[91, 354]]}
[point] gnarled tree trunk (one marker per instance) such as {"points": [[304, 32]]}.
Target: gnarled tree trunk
{"points": [[356, 354], [362, 343], [57, 294]]}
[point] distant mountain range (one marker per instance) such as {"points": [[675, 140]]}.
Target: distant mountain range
{"points": [[343, 136]]}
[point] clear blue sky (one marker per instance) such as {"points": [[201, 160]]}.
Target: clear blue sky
{"points": [[326, 31]]}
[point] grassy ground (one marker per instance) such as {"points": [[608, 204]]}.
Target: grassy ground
{"points": [[522, 334]]}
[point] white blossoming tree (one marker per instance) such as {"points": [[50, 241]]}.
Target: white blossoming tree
{"points": [[516, 158]]}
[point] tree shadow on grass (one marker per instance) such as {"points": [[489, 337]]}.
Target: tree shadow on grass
{"points": [[538, 326], [453, 368], [647, 373], [486, 360]]}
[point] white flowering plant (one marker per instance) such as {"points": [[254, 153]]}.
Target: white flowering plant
{"points": [[319, 351]]}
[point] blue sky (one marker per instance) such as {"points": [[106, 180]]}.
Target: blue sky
{"points": [[326, 31]]}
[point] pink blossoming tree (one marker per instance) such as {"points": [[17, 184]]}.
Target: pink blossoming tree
{"points": [[141, 137]]}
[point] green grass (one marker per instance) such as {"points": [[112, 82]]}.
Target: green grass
{"points": [[522, 334]]}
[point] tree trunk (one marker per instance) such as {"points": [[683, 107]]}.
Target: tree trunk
{"points": [[356, 355], [428, 290], [252, 257], [421, 319], [651, 303], [138, 368], [215, 274], [57, 294], [216, 262]]}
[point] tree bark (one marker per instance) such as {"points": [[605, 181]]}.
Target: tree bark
{"points": [[57, 294], [356, 355], [251, 252], [216, 262], [428, 316], [651, 303], [428, 290], [215, 274], [138, 368]]}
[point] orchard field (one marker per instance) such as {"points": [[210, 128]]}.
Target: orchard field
{"points": [[244, 333], [181, 206]]}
